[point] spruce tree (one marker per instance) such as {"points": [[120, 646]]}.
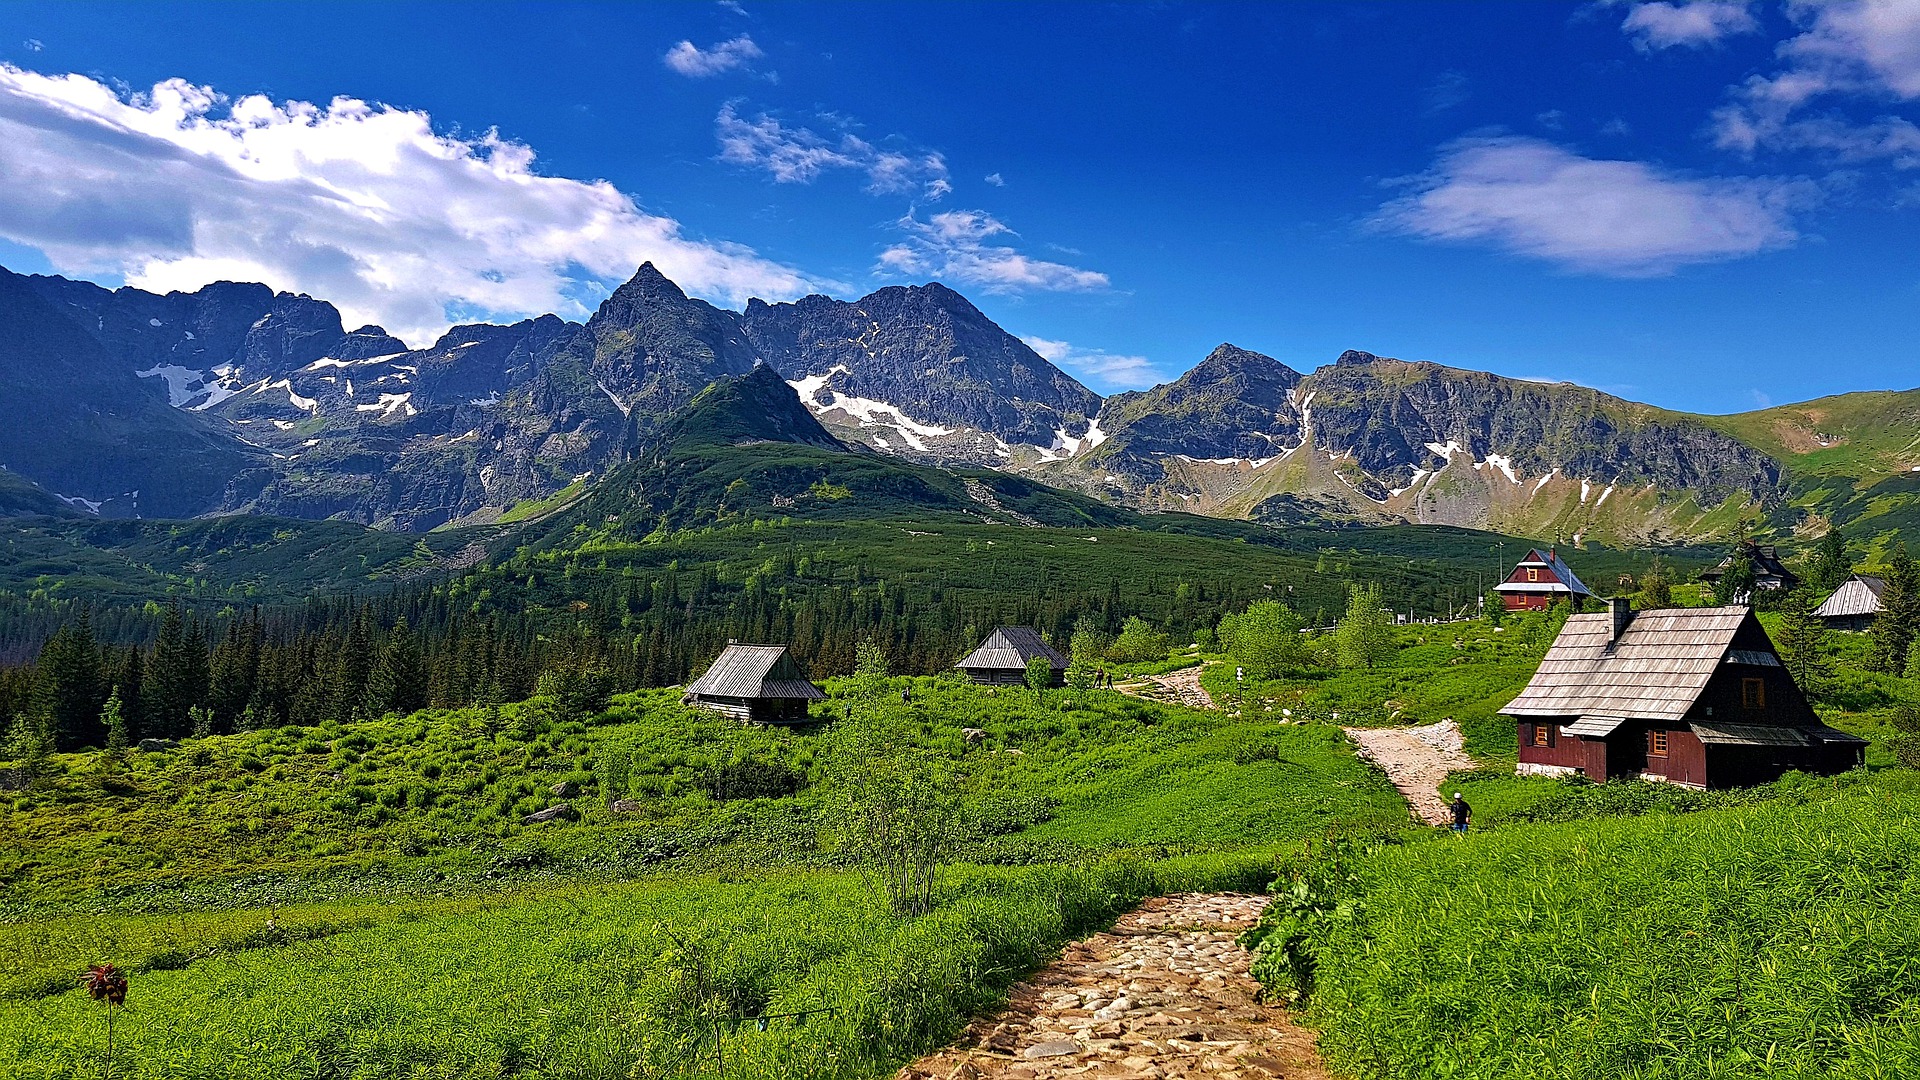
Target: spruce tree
{"points": [[1802, 640], [398, 681], [1656, 587], [1893, 628], [71, 685], [1829, 568], [113, 718]]}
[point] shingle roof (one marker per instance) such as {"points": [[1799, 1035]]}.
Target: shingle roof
{"points": [[755, 671], [1859, 596], [1567, 581], [1655, 671], [1011, 647], [1750, 735]]}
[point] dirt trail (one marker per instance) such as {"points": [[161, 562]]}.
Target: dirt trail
{"points": [[1179, 687], [1416, 759], [1164, 994]]}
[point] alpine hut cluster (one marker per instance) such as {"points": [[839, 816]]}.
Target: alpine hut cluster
{"points": [[760, 684], [1002, 659], [1696, 696], [1540, 581]]}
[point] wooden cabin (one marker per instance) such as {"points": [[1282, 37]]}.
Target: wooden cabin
{"points": [[1695, 696], [1854, 605], [756, 684], [1001, 660], [1539, 582], [1769, 573]]}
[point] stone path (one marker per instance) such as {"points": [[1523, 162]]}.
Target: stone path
{"points": [[1179, 687], [1165, 994], [1417, 760]]}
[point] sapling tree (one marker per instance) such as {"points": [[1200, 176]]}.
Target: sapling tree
{"points": [[1039, 676], [1364, 638], [113, 719]]}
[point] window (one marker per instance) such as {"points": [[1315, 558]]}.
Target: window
{"points": [[1539, 734], [1657, 743], [1753, 693], [1533, 574]]}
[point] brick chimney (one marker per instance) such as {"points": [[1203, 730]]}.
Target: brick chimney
{"points": [[1620, 609]]}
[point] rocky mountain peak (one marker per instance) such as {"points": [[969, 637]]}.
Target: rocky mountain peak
{"points": [[1355, 358]]}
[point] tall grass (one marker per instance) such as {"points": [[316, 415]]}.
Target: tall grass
{"points": [[1775, 940]]}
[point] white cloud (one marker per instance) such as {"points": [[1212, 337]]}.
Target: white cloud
{"points": [[734, 6], [958, 246], [1692, 23], [996, 180], [360, 204], [1109, 370], [34, 45], [696, 63], [1619, 218], [1848, 49], [798, 155]]}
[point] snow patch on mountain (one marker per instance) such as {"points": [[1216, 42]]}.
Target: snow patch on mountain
{"points": [[183, 384]]}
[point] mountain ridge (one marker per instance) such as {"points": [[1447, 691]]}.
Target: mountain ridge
{"points": [[235, 398]]}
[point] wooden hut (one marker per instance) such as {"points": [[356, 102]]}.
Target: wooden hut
{"points": [[1696, 696], [1539, 581], [1002, 659], [1855, 604], [1769, 573], [757, 684]]}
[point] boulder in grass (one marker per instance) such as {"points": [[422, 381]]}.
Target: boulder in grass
{"points": [[562, 812], [973, 735], [565, 789], [627, 806], [148, 746]]}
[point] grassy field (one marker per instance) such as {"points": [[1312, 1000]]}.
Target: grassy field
{"points": [[364, 900], [1772, 940]]}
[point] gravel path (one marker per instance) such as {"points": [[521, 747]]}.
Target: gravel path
{"points": [[1179, 687], [1417, 760], [1164, 994]]}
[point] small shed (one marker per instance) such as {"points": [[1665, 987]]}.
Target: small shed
{"points": [[1539, 581], [1695, 696], [757, 684], [1769, 573], [1002, 659], [1855, 604]]}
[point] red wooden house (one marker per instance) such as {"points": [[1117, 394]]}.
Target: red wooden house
{"points": [[1539, 582], [1696, 696]]}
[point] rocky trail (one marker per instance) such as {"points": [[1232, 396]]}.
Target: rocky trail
{"points": [[1417, 760], [1165, 994], [1175, 687]]}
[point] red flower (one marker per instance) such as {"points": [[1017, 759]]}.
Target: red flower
{"points": [[104, 982]]}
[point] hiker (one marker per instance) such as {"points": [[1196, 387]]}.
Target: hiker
{"points": [[1462, 814], [906, 695]]}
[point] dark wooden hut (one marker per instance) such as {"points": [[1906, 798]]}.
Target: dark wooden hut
{"points": [[1854, 605], [1539, 581], [1769, 573], [758, 684], [1696, 696], [1001, 660]]}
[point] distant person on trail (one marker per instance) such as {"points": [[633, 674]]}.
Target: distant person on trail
{"points": [[1462, 814], [906, 694]]}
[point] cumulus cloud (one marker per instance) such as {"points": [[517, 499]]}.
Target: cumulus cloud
{"points": [[1103, 369], [1848, 52], [798, 155], [33, 45], [996, 180], [1691, 23], [1618, 218], [357, 203], [696, 63], [966, 246]]}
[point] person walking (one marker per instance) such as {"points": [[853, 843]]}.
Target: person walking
{"points": [[1462, 814]]}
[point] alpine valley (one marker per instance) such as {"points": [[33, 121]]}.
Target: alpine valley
{"points": [[234, 399]]}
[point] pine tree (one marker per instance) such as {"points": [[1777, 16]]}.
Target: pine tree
{"points": [[1893, 629], [113, 718], [168, 691], [1829, 568], [1656, 587], [71, 685], [398, 681], [128, 679], [1802, 640]]}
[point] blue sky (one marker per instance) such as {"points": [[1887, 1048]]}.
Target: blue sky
{"points": [[1705, 204]]}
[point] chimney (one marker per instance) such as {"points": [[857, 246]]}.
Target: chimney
{"points": [[1621, 611]]}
